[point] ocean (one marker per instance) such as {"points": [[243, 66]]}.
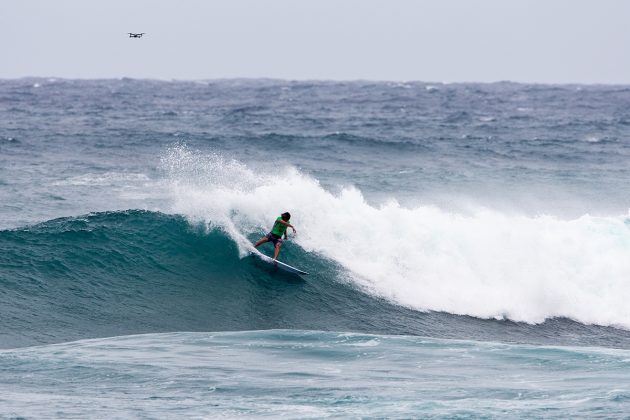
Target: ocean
{"points": [[468, 248]]}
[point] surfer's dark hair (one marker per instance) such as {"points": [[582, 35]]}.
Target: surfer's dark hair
{"points": [[286, 214]]}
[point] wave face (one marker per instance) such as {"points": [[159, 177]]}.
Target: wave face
{"points": [[118, 273]]}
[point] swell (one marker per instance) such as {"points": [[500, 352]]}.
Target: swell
{"points": [[119, 273]]}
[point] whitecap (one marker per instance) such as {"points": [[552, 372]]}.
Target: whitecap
{"points": [[485, 263]]}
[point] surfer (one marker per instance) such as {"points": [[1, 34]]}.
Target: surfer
{"points": [[277, 231]]}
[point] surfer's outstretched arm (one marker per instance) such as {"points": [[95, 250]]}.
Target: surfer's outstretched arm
{"points": [[288, 225]]}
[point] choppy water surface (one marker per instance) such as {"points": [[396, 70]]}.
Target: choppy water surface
{"points": [[485, 226], [308, 374]]}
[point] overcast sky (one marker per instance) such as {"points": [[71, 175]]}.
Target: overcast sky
{"points": [[547, 41]]}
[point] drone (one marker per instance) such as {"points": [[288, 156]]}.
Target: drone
{"points": [[135, 35]]}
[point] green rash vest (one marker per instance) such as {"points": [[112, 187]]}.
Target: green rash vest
{"points": [[279, 228]]}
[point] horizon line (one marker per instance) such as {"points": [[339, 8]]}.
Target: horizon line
{"points": [[311, 80]]}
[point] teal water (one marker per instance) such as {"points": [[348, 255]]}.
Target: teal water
{"points": [[130, 272]]}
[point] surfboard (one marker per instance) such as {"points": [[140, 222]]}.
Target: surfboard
{"points": [[279, 264]]}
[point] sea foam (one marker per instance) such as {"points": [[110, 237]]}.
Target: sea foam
{"points": [[485, 263]]}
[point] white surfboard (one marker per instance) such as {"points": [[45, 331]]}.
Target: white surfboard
{"points": [[279, 264]]}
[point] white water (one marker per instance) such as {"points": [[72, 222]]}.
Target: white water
{"points": [[485, 264]]}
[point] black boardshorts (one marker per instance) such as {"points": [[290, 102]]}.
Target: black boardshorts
{"points": [[274, 238]]}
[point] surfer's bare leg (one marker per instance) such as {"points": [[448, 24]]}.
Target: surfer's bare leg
{"points": [[261, 241], [277, 251]]}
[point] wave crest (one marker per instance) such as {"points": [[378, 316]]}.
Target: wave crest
{"points": [[485, 264]]}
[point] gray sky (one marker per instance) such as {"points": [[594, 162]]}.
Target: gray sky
{"points": [[548, 41]]}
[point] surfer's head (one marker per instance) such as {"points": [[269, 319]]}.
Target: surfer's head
{"points": [[286, 216]]}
